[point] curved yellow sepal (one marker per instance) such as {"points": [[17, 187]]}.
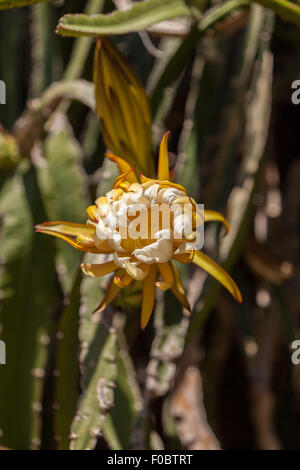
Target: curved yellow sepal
{"points": [[215, 270], [167, 276], [185, 258], [178, 289], [123, 281], [111, 293], [123, 166], [162, 183], [96, 270], [148, 297], [137, 272], [163, 159], [214, 216], [122, 178], [66, 230], [92, 213]]}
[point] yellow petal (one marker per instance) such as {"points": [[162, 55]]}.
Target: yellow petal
{"points": [[148, 298], [178, 289], [111, 293], [114, 195], [137, 272], [167, 275], [102, 205], [185, 200], [162, 183], [82, 239], [121, 178], [134, 187], [123, 281], [96, 270], [92, 213], [163, 159], [67, 228], [103, 246], [61, 229], [123, 166], [214, 216], [183, 257], [218, 273]]}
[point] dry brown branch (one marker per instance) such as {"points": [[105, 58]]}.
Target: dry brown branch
{"points": [[187, 407]]}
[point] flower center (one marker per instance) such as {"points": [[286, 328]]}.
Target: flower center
{"points": [[145, 222]]}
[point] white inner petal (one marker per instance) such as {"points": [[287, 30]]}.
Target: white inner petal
{"points": [[151, 192], [103, 231], [169, 195], [157, 252], [120, 261], [183, 225], [117, 211]]}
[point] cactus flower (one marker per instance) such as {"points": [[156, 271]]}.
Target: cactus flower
{"points": [[149, 256]]}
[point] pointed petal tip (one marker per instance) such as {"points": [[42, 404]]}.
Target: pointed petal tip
{"points": [[144, 324], [187, 311], [99, 309], [227, 229], [163, 285], [217, 271]]}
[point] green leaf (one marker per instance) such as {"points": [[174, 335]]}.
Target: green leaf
{"points": [[140, 16], [287, 10], [4, 4], [27, 290]]}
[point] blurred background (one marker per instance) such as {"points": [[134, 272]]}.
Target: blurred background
{"points": [[223, 378]]}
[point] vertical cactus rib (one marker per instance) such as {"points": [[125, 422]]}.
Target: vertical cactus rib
{"points": [[67, 367], [64, 190], [27, 289]]}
